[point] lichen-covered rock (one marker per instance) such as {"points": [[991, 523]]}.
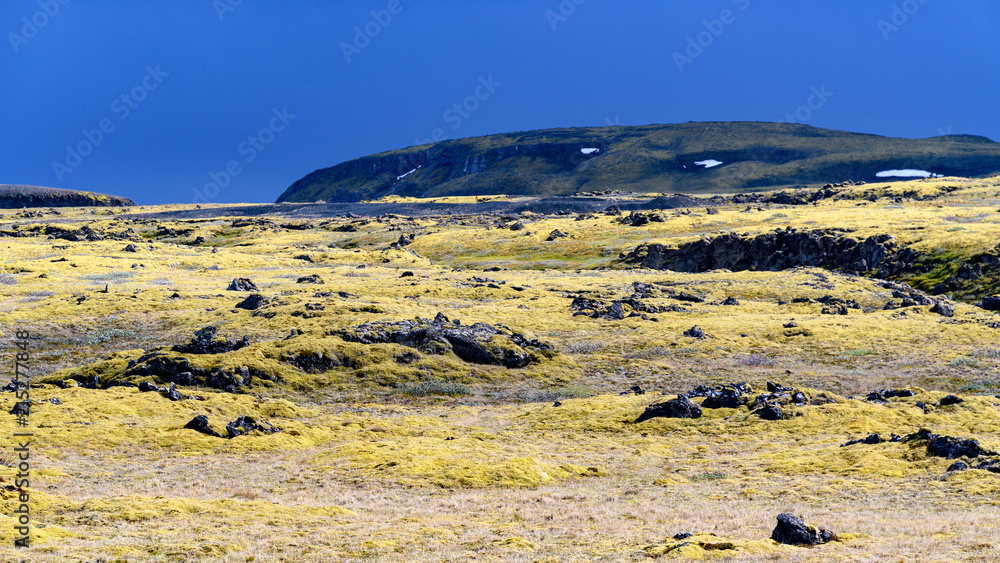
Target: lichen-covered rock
{"points": [[245, 425], [681, 407], [242, 284], [200, 424], [204, 342], [479, 343]]}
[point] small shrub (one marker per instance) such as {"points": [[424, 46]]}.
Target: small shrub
{"points": [[109, 276], [707, 477], [755, 361], [101, 336], [432, 387], [964, 361]]}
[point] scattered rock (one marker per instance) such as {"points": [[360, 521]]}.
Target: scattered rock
{"points": [[245, 425], [242, 284], [991, 303], [770, 412], [253, 302], [172, 393], [731, 301], [695, 332], [791, 530], [883, 395], [146, 387], [55, 401], [615, 312], [407, 274], [130, 248], [944, 309], [312, 278], [950, 400], [871, 440], [557, 234], [200, 424], [775, 388], [681, 407], [958, 466], [517, 226], [479, 343], [204, 342], [21, 408], [952, 448]]}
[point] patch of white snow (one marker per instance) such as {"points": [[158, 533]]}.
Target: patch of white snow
{"points": [[708, 163], [589, 151], [907, 173]]}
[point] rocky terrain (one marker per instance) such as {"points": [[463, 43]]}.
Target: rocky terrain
{"points": [[18, 196], [690, 158], [807, 375]]}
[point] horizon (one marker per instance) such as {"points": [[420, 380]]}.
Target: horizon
{"points": [[156, 103]]}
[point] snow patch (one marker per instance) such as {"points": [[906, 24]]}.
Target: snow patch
{"points": [[589, 151], [907, 173], [407, 174], [708, 163]]}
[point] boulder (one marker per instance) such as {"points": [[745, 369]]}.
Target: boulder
{"points": [[791, 530], [242, 284], [770, 412], [944, 309], [695, 332], [253, 302], [200, 424], [681, 407], [245, 425], [991, 303], [204, 342], [312, 278], [950, 400]]}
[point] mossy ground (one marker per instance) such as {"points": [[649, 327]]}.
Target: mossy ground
{"points": [[368, 467]]}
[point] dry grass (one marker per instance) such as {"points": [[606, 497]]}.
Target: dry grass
{"points": [[439, 459]]}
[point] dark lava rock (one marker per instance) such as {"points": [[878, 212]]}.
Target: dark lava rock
{"points": [[615, 312], [406, 274], [146, 387], [770, 412], [682, 536], [694, 332], [556, 234], [55, 401], [204, 342], [950, 400], [789, 324], [637, 219], [517, 226], [993, 466], [681, 407], [242, 284], [731, 301], [312, 278], [775, 388], [991, 303], [727, 398], [245, 425], [479, 343], [200, 423], [834, 310], [799, 398], [952, 448], [228, 381], [91, 383], [871, 440], [688, 297], [130, 248], [21, 408], [253, 302], [172, 393], [14, 385], [943, 309], [958, 466], [882, 395], [791, 530], [779, 250], [406, 239]]}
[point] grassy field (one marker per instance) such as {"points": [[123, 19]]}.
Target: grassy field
{"points": [[391, 452]]}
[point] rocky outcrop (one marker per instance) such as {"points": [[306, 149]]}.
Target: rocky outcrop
{"points": [[791, 530], [780, 250], [681, 407], [479, 343], [17, 196]]}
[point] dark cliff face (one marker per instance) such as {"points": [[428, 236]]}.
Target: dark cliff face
{"points": [[780, 250], [17, 196], [726, 157]]}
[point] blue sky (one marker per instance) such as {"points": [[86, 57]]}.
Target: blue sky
{"points": [[233, 100]]}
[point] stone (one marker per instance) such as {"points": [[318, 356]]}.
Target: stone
{"points": [[950, 400], [695, 332], [130, 248], [953, 448], [681, 407], [731, 301], [146, 387], [245, 425], [253, 302], [770, 412], [791, 530], [407, 274], [172, 393], [991, 303], [312, 278], [200, 424], [204, 342], [242, 284], [21, 408], [958, 466], [944, 309], [556, 234]]}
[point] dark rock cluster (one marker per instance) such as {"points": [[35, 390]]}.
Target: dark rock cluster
{"points": [[479, 343], [792, 530], [205, 342]]}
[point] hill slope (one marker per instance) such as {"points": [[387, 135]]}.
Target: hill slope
{"points": [[652, 158], [13, 196]]}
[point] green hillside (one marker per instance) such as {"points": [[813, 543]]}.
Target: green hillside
{"points": [[754, 156]]}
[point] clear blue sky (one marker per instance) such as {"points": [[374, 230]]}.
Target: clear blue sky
{"points": [[274, 90]]}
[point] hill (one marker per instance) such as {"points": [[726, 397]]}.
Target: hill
{"points": [[715, 157], [14, 196]]}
